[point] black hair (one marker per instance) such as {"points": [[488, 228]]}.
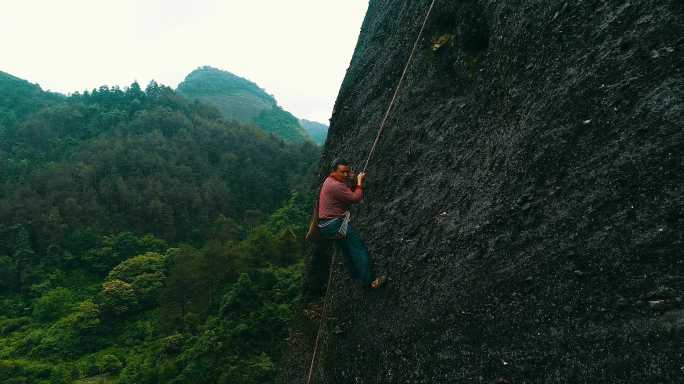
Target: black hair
{"points": [[336, 163]]}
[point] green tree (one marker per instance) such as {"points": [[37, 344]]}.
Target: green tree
{"points": [[54, 305], [73, 335], [218, 264], [8, 273], [186, 288], [109, 364], [23, 257], [145, 273], [118, 298]]}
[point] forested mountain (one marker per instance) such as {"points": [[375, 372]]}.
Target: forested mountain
{"points": [[144, 238], [316, 130], [242, 100], [18, 98], [144, 161]]}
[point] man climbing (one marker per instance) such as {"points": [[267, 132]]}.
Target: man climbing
{"points": [[333, 212]]}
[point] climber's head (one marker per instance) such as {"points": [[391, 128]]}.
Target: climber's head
{"points": [[339, 169]]}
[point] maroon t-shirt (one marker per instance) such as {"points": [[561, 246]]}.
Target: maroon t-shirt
{"points": [[336, 197]]}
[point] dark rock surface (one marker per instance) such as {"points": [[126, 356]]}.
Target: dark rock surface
{"points": [[526, 197]]}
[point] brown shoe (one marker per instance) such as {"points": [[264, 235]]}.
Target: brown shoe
{"points": [[378, 282]]}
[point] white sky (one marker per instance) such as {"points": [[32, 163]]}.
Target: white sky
{"points": [[298, 50]]}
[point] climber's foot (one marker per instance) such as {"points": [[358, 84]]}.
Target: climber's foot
{"points": [[378, 282]]}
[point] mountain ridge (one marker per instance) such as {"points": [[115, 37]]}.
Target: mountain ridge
{"points": [[19, 97], [242, 100]]}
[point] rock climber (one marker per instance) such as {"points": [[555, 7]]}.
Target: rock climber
{"points": [[335, 199]]}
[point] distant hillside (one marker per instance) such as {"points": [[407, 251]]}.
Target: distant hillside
{"points": [[316, 130], [242, 100], [18, 98], [73, 148]]}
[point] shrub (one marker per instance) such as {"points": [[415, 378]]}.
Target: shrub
{"points": [[109, 364], [53, 305], [118, 298], [146, 275]]}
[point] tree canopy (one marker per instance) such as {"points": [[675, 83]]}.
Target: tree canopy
{"points": [[142, 234]]}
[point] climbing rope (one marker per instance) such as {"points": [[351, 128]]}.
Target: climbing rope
{"points": [[396, 90], [328, 295]]}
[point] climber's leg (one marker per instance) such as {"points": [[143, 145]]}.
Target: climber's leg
{"points": [[357, 259], [317, 274]]}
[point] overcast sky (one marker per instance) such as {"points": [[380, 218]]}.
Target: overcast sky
{"points": [[298, 50]]}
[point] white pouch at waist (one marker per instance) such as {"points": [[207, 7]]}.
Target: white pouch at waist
{"points": [[342, 231]]}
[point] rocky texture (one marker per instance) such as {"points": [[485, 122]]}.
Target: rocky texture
{"points": [[526, 197]]}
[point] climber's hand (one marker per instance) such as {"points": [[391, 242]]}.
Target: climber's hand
{"points": [[361, 178]]}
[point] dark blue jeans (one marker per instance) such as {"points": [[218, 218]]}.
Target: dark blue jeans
{"points": [[356, 257]]}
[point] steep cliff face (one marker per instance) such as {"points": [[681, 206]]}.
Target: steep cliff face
{"points": [[526, 198]]}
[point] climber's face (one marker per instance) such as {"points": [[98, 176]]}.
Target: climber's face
{"points": [[342, 173]]}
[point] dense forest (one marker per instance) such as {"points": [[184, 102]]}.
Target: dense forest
{"points": [[144, 238]]}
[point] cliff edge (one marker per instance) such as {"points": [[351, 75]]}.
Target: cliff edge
{"points": [[526, 197]]}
